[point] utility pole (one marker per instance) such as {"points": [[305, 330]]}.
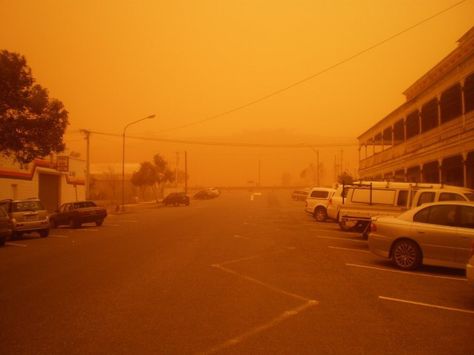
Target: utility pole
{"points": [[186, 172], [259, 172], [177, 165], [87, 135], [317, 167]]}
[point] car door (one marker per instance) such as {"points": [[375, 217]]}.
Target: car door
{"points": [[466, 233], [435, 230]]}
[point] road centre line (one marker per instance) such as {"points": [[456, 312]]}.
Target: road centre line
{"points": [[350, 249], [427, 305], [407, 272], [260, 328], [16, 244]]}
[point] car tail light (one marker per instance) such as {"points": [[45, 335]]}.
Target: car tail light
{"points": [[373, 227]]}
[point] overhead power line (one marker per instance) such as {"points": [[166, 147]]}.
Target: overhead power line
{"points": [[310, 77], [228, 144]]}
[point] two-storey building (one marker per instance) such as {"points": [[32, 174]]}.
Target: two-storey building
{"points": [[429, 138]]}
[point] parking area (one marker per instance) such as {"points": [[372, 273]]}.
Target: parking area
{"points": [[266, 279]]}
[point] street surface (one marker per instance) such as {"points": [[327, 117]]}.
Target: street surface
{"points": [[226, 276]]}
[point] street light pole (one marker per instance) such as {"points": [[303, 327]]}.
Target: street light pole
{"points": [[123, 156]]}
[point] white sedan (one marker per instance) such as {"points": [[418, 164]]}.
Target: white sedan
{"points": [[440, 234]]}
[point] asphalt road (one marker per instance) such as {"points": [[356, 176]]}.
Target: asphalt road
{"points": [[225, 276]]}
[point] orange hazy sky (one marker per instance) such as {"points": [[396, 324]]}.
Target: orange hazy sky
{"points": [[112, 62]]}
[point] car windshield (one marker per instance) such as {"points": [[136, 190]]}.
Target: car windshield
{"points": [[27, 206]]}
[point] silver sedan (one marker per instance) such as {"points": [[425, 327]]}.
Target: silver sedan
{"points": [[440, 234]]}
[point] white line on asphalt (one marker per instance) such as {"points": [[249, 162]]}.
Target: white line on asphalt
{"points": [[350, 239], [16, 244], [407, 272], [261, 283], [260, 328], [428, 305], [58, 236], [350, 249], [249, 257]]}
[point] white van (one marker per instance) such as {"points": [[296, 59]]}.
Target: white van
{"points": [[366, 200]]}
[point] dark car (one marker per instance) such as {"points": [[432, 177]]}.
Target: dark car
{"points": [[5, 227], [176, 199], [73, 214]]}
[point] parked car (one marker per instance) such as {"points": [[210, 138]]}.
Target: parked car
{"points": [[470, 268], [74, 214], [176, 199], [317, 202], [26, 216], [367, 199], [440, 233], [5, 227], [300, 195]]}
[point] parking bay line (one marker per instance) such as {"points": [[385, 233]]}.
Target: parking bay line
{"points": [[342, 239], [16, 244], [349, 249], [427, 305], [407, 272]]}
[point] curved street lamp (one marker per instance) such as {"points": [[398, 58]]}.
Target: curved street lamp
{"points": [[123, 156]]}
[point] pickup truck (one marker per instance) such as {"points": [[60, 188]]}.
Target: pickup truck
{"points": [[364, 201]]}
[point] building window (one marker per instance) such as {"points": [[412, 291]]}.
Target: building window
{"points": [[469, 94], [413, 124], [451, 103], [429, 115]]}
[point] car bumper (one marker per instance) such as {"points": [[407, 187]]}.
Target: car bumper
{"points": [[379, 245], [31, 225]]}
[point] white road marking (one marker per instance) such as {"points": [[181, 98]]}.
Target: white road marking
{"points": [[248, 258], [427, 305], [261, 283], [350, 249], [260, 328], [58, 236], [350, 239], [408, 272], [16, 244]]}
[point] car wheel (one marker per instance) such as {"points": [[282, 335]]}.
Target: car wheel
{"points": [[17, 235], [406, 254], [320, 214], [44, 233], [99, 222], [347, 226], [73, 223], [2, 241]]}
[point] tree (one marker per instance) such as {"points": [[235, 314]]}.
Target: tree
{"points": [[31, 123], [345, 178], [153, 175]]}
